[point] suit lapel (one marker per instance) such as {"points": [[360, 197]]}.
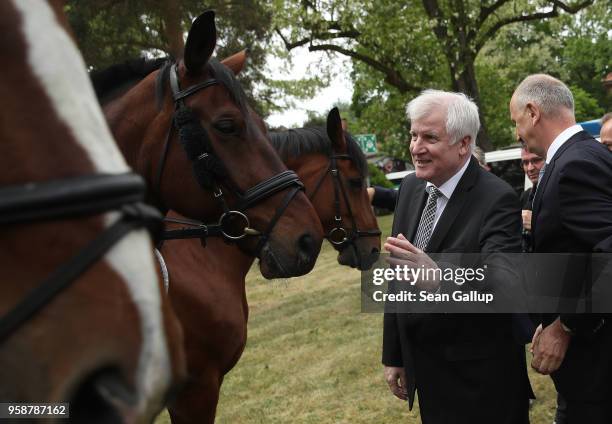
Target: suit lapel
{"points": [[454, 206], [537, 200], [414, 213]]}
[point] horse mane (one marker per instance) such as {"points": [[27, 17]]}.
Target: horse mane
{"points": [[302, 141], [117, 79]]}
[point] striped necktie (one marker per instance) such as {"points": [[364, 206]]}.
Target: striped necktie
{"points": [[428, 217]]}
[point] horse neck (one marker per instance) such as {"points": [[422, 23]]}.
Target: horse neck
{"points": [[137, 125], [70, 136]]}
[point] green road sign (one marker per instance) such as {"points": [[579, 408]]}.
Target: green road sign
{"points": [[367, 142]]}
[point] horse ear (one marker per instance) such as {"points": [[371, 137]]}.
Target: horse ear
{"points": [[334, 130], [201, 42], [236, 61]]}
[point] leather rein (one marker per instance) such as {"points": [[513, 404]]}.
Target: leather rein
{"points": [[72, 198]]}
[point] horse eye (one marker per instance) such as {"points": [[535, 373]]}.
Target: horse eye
{"points": [[226, 126]]}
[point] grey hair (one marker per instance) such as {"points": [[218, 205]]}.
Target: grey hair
{"points": [[461, 113], [606, 118], [547, 92]]}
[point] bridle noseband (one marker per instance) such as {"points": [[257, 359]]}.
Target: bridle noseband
{"points": [[209, 170], [72, 198], [339, 235]]}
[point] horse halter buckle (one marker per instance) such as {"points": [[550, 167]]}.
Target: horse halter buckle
{"points": [[234, 225]]}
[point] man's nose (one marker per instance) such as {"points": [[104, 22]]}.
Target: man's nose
{"points": [[416, 146]]}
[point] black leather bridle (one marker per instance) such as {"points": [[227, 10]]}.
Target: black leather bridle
{"points": [[209, 170], [72, 198], [339, 235]]}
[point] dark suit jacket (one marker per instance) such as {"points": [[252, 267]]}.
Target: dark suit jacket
{"points": [[572, 213], [384, 198], [527, 199], [482, 216]]}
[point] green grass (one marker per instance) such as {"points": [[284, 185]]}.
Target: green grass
{"points": [[313, 357]]}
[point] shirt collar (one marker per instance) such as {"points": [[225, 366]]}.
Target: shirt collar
{"points": [[565, 135], [449, 185]]}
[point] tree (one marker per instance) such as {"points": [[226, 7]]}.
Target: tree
{"points": [[409, 42], [574, 48], [113, 31]]}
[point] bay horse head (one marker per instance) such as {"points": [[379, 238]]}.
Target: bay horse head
{"points": [[334, 171], [82, 315], [225, 164]]}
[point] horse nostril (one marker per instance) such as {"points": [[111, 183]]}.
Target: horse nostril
{"points": [[306, 246], [375, 251]]}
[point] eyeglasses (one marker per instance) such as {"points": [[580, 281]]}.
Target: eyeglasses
{"points": [[534, 162]]}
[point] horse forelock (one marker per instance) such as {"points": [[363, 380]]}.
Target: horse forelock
{"points": [[227, 78]]}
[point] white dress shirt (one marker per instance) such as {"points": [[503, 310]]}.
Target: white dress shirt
{"points": [[447, 190], [565, 135]]}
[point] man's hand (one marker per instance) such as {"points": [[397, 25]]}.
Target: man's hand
{"points": [[549, 347], [396, 379], [526, 213], [405, 253]]}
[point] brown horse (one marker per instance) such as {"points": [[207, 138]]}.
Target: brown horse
{"points": [[207, 286], [226, 162], [83, 318]]}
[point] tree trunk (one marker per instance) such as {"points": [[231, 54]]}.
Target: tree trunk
{"points": [[464, 81], [173, 30]]}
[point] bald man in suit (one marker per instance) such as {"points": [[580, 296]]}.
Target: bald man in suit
{"points": [[572, 214]]}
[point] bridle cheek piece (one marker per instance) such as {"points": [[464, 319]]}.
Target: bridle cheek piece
{"points": [[340, 236]]}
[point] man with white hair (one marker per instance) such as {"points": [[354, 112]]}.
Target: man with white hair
{"points": [[572, 213], [466, 368]]}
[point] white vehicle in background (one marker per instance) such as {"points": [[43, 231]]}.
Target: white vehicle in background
{"points": [[397, 177]]}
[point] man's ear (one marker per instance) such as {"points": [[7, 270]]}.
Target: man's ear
{"points": [[534, 113], [464, 145]]}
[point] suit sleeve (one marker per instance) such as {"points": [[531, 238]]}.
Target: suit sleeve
{"points": [[391, 349], [384, 198], [585, 195], [501, 227], [500, 239]]}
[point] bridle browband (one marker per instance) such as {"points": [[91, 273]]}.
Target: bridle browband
{"points": [[209, 170], [72, 198], [339, 235]]}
